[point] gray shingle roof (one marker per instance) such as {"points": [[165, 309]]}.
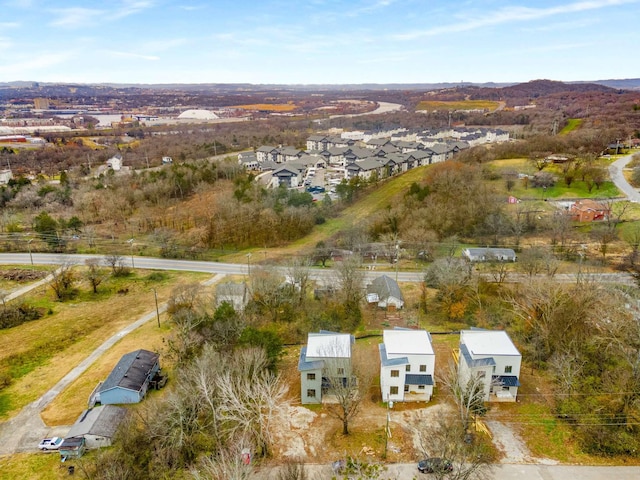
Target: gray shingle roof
{"points": [[385, 287]]}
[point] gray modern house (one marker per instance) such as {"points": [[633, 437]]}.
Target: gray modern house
{"points": [[325, 359], [129, 380]]}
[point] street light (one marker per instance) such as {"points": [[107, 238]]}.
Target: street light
{"points": [[248, 264]]}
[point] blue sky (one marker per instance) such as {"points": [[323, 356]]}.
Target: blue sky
{"points": [[318, 41]]}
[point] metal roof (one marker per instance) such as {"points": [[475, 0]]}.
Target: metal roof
{"points": [[385, 361], [131, 371], [480, 362], [506, 380], [101, 421], [418, 379]]}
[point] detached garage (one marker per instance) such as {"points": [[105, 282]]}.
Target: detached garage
{"points": [[129, 381], [96, 426]]}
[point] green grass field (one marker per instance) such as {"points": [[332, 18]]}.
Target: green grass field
{"points": [[572, 124]]}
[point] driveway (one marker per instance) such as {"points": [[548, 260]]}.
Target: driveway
{"points": [[23, 432], [617, 176]]}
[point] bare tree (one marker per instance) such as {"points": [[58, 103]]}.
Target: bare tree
{"points": [[347, 377], [268, 291], [292, 470], [468, 393], [299, 271], [117, 264], [447, 439], [63, 279], [224, 466], [350, 279], [93, 274]]}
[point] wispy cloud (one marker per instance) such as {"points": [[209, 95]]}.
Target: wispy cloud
{"points": [[191, 8], [130, 7], [370, 8], [38, 63], [19, 3], [139, 56], [4, 25], [556, 47], [510, 15], [76, 17], [164, 44]]}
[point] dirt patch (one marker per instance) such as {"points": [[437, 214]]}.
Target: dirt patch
{"points": [[19, 275]]}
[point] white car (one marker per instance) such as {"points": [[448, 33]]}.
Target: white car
{"points": [[50, 443]]}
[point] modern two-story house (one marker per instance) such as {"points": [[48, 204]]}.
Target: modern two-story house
{"points": [[324, 360], [491, 356], [407, 364]]}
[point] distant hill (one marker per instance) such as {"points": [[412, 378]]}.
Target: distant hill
{"points": [[509, 89]]}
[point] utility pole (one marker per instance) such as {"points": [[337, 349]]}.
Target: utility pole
{"points": [[29, 245], [155, 293]]}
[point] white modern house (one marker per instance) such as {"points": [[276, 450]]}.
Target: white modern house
{"points": [[407, 364], [325, 359], [491, 356]]}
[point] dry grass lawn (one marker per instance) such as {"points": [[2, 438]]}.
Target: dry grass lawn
{"points": [[41, 352]]}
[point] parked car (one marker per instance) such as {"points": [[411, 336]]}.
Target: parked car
{"points": [[50, 443], [434, 464]]}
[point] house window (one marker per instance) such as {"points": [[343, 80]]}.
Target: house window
{"points": [[406, 388], [395, 373], [407, 368], [311, 393], [340, 371], [393, 390], [423, 368], [421, 387], [311, 376], [507, 369]]}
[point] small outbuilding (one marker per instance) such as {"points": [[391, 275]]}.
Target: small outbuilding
{"points": [[235, 294], [386, 291], [129, 380], [97, 426]]}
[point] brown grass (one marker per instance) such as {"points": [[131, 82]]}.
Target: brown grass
{"points": [[79, 327]]}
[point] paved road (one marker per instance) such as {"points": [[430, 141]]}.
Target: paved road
{"points": [[615, 170], [326, 275]]}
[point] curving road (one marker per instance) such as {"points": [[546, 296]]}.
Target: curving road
{"points": [[617, 175]]}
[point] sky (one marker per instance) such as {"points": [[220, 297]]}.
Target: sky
{"points": [[318, 41]]}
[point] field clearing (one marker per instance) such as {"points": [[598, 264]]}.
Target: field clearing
{"points": [[37, 354], [572, 124], [458, 105], [273, 107]]}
